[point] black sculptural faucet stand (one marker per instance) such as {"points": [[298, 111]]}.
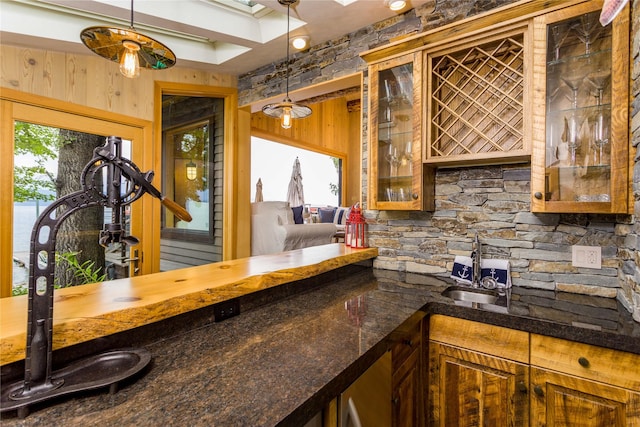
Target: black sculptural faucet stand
{"points": [[108, 180]]}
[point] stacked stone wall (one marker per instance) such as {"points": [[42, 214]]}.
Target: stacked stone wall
{"points": [[494, 201]]}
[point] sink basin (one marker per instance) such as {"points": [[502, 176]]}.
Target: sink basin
{"points": [[479, 296]]}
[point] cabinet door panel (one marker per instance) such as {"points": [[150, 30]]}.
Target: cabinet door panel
{"points": [[470, 388], [397, 178], [406, 395], [580, 156], [561, 400]]}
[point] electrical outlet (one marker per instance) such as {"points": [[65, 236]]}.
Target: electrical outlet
{"points": [[586, 256], [225, 310]]}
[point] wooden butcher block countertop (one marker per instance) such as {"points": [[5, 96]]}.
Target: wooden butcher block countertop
{"points": [[87, 312]]}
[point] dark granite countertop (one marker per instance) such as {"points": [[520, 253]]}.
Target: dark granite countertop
{"points": [[293, 349]]}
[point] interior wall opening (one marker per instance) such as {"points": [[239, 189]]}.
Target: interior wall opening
{"points": [[272, 163], [192, 163]]}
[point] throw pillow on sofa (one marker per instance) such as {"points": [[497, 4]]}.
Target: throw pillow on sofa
{"points": [[341, 215], [297, 215], [326, 214]]}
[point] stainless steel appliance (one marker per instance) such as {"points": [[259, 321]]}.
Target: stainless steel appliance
{"points": [[367, 402]]}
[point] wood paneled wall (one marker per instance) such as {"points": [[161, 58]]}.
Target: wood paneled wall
{"points": [[331, 129], [92, 81]]}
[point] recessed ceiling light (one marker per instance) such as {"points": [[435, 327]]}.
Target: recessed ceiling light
{"points": [[300, 42], [395, 5]]}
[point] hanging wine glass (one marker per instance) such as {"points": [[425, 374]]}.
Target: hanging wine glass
{"points": [[559, 33], [601, 130], [600, 78], [588, 29], [573, 79]]}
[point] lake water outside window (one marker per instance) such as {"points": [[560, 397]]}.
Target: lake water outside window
{"points": [[272, 162], [46, 160]]}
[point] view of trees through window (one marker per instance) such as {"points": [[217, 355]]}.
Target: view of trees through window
{"points": [[272, 163], [48, 163]]}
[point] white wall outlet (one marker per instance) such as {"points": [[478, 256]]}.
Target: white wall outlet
{"points": [[586, 256]]}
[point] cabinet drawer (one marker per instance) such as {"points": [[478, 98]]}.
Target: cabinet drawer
{"points": [[587, 361], [494, 340]]}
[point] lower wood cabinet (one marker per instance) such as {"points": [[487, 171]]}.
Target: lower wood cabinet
{"points": [[576, 384], [474, 389], [564, 400], [481, 374], [469, 384], [406, 379]]}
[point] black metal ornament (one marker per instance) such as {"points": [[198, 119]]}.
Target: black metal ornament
{"points": [[108, 180]]}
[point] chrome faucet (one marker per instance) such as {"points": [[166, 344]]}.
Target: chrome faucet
{"points": [[476, 256]]}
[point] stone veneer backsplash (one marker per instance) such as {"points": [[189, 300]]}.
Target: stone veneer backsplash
{"points": [[491, 200], [494, 202]]}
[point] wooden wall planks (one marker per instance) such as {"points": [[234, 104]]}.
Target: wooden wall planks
{"points": [[92, 81]]}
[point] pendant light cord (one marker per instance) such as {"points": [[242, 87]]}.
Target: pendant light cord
{"points": [[287, 70], [131, 26]]}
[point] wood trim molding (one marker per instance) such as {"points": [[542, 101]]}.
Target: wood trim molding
{"points": [[235, 190], [482, 23], [18, 105]]}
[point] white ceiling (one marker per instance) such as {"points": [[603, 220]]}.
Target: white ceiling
{"points": [[219, 35]]}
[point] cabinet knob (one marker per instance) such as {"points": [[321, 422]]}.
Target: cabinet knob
{"points": [[538, 390], [415, 196], [522, 387], [537, 195], [584, 362]]}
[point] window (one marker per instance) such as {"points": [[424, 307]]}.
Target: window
{"points": [[272, 162], [188, 175]]}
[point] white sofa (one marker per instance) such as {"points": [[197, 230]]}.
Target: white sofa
{"points": [[273, 229]]}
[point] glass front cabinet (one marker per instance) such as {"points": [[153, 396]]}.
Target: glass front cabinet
{"points": [[397, 178], [580, 160]]}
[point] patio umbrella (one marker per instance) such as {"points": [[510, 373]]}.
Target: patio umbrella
{"points": [[295, 194], [259, 197]]}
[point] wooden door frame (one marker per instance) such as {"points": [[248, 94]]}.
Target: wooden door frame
{"points": [[235, 190], [16, 105]]}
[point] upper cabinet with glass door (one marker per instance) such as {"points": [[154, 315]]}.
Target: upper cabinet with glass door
{"points": [[580, 161], [395, 166]]}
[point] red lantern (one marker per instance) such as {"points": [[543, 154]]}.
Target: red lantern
{"points": [[356, 228]]}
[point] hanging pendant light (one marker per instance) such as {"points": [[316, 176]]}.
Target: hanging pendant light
{"points": [[287, 110], [129, 48]]}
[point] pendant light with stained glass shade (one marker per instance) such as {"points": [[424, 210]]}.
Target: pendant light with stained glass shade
{"points": [[287, 110], [128, 47]]}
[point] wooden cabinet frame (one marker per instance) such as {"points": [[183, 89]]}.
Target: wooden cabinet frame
{"points": [[527, 17], [420, 185], [476, 95], [541, 380], [621, 163]]}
